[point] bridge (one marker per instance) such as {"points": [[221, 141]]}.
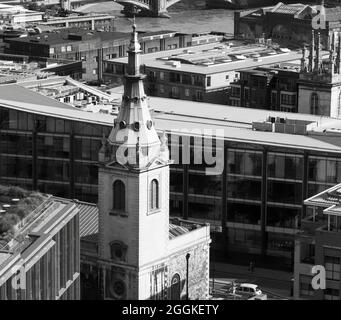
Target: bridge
{"points": [[156, 8]]}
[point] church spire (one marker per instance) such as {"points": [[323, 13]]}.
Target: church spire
{"points": [[134, 138]]}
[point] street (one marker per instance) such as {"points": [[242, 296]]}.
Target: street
{"points": [[275, 284]]}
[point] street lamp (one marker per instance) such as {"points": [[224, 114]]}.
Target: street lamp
{"points": [[187, 275]]}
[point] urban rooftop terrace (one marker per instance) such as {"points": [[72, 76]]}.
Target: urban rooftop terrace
{"points": [[15, 205]]}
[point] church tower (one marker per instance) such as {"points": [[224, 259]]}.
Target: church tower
{"points": [[133, 193], [319, 86]]}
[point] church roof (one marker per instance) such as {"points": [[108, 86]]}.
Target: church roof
{"points": [[88, 219]]}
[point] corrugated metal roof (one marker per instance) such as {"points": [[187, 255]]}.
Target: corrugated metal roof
{"points": [[88, 218], [175, 231]]}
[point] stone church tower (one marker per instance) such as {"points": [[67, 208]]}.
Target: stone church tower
{"points": [[319, 86], [133, 192]]}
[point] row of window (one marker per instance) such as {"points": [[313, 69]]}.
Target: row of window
{"points": [[119, 195], [175, 92], [63, 49]]}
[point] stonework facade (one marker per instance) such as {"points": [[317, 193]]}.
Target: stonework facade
{"points": [[319, 86]]}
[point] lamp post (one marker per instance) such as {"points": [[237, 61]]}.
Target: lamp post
{"points": [[187, 275]]}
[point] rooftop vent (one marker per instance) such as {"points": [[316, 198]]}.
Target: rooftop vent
{"points": [[281, 125]]}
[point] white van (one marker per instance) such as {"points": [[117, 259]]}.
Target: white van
{"points": [[248, 288]]}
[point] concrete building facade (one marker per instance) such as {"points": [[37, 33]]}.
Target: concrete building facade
{"points": [[42, 261], [319, 87], [265, 88], [319, 243]]}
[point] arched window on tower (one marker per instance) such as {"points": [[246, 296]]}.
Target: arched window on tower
{"points": [[154, 195], [119, 195], [175, 287], [314, 103]]}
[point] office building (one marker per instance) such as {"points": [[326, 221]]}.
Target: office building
{"points": [[91, 47], [266, 88], [40, 248], [94, 21], [18, 15], [202, 73], [319, 243]]}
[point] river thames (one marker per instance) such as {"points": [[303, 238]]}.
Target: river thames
{"points": [[188, 16]]}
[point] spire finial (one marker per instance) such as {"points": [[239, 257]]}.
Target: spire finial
{"points": [[134, 42]]}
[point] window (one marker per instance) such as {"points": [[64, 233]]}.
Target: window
{"points": [[162, 75], [227, 77], [162, 88], [306, 289], [208, 81], [288, 99], [331, 294], [94, 71], [332, 265], [154, 195], [175, 92], [175, 287], [235, 91], [62, 49], [246, 94], [274, 98], [199, 96], [69, 48], [51, 50], [187, 92], [119, 195], [314, 103]]}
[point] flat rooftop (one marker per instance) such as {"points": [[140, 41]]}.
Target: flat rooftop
{"points": [[64, 35], [35, 232], [70, 35], [183, 117], [216, 57]]}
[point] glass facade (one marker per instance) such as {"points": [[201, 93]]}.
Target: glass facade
{"points": [[259, 193]]}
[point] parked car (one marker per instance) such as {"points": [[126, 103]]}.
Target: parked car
{"points": [[248, 288]]}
